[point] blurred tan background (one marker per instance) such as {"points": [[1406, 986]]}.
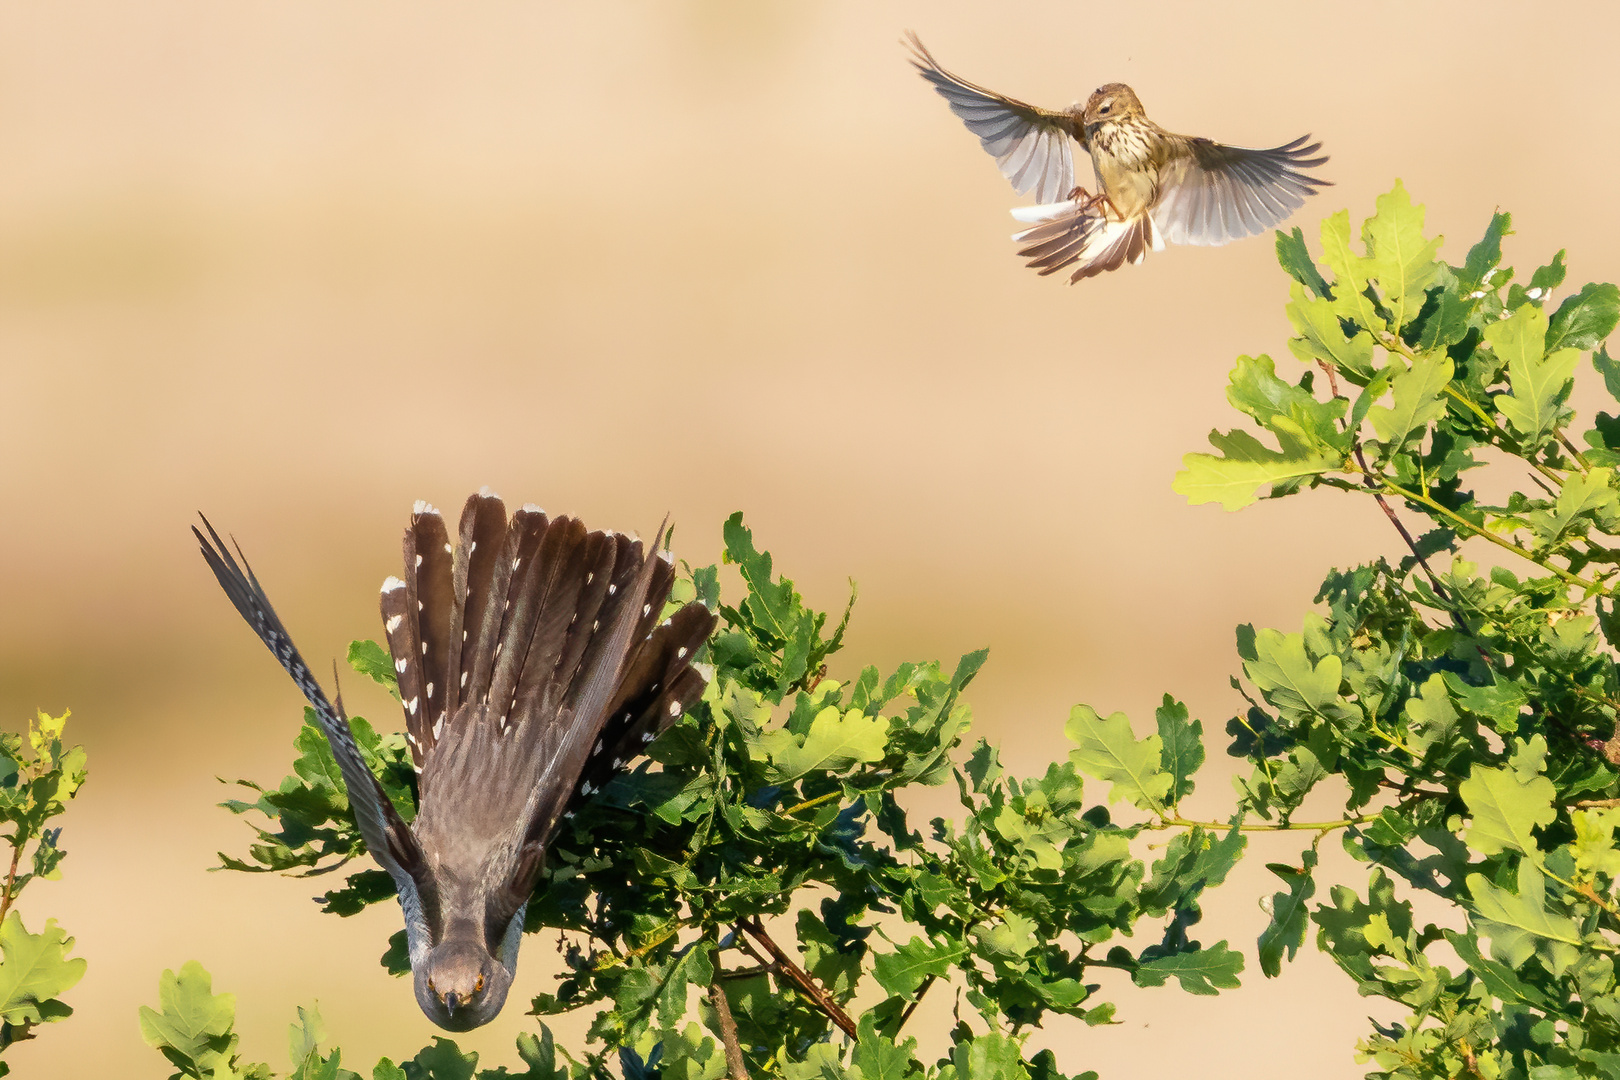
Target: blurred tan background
{"points": [[297, 264]]}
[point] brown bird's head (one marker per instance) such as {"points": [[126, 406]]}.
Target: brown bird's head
{"points": [[460, 985], [1112, 103]]}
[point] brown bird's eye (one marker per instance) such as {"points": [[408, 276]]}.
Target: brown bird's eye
{"points": [[1104, 109], [478, 987], [431, 987]]}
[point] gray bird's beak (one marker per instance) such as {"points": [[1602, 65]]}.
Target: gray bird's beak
{"points": [[451, 1000]]}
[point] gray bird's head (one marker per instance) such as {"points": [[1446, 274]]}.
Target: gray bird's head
{"points": [[1111, 103], [460, 986]]}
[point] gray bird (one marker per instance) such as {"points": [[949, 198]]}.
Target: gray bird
{"points": [[532, 666]]}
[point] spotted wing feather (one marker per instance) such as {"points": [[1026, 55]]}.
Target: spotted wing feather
{"points": [[476, 617]]}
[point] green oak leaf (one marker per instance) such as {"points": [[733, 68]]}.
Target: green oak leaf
{"points": [[901, 972], [1200, 971], [1294, 257], [1285, 674], [837, 741], [1534, 405], [1322, 337], [1418, 403], [1584, 499], [1399, 256], [1519, 924], [1181, 749], [1110, 751], [36, 970], [1505, 810], [1583, 320], [1289, 914], [1234, 479], [194, 1023], [1350, 272], [373, 661], [879, 1057]]}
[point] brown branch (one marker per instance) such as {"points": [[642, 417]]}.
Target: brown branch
{"points": [[916, 1001], [800, 978], [6, 895], [735, 1066], [745, 973], [1400, 527]]}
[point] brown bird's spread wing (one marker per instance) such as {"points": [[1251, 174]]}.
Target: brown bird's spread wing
{"points": [[1030, 144], [1211, 194], [547, 674]]}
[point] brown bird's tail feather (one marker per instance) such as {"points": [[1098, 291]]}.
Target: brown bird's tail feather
{"points": [[1079, 233]]}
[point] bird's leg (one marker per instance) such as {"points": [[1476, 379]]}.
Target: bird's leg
{"points": [[1089, 202]]}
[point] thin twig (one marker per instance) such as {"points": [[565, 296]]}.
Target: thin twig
{"points": [[1580, 458], [800, 978], [1389, 511], [746, 973], [11, 879], [921, 990], [735, 1066]]}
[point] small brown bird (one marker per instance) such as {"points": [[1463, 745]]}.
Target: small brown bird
{"points": [[1153, 186]]}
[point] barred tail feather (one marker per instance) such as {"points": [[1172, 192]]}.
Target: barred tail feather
{"points": [[386, 835]]}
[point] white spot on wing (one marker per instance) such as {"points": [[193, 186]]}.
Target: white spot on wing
{"points": [[393, 622], [646, 609], [464, 675], [438, 725], [419, 562], [391, 584], [485, 493], [680, 653], [424, 648], [429, 689], [400, 665], [530, 508], [674, 708], [410, 706], [590, 577], [612, 589]]}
